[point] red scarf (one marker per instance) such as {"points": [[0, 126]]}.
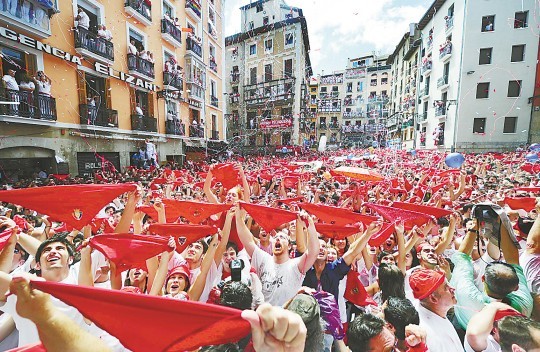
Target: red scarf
{"points": [[268, 218], [334, 215], [185, 234], [194, 212]]}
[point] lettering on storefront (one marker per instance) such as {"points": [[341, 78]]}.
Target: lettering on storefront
{"points": [[59, 53], [195, 103]]}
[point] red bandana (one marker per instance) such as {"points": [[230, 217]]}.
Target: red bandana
{"points": [[268, 218], [377, 239], [531, 168], [150, 323], [525, 203], [436, 212], [185, 234], [101, 222], [335, 231], [410, 218], [129, 251], [334, 215], [4, 238], [290, 181], [227, 175], [289, 201], [171, 214], [408, 185], [529, 189], [194, 212], [75, 205], [355, 292]]}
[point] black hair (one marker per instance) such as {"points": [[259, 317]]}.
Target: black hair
{"points": [[467, 207], [518, 330], [391, 282], [361, 330], [61, 238], [383, 254], [501, 279], [443, 222], [110, 207], [236, 294], [400, 312], [204, 244], [232, 245]]}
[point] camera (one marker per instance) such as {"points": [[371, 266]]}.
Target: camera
{"points": [[236, 269]]}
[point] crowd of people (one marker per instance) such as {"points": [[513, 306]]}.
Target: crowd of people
{"points": [[373, 250]]}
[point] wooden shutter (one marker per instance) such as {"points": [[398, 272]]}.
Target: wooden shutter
{"points": [[108, 93], [81, 87], [31, 64], [150, 104], [132, 100]]}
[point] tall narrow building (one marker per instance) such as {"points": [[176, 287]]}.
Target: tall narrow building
{"points": [[267, 70]]}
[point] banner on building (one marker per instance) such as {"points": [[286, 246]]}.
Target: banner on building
{"points": [[267, 124]]}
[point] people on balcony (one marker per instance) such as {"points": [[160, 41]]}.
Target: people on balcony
{"points": [[82, 19], [11, 84], [43, 83], [138, 109], [104, 33], [27, 85], [132, 49]]}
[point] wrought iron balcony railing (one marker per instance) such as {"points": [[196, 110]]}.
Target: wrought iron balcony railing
{"points": [[93, 116], [85, 39], [143, 123], [140, 65], [27, 104]]}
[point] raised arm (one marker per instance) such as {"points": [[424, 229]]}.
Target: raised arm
{"points": [[243, 232], [301, 244], [222, 246], [6, 256], [400, 237], [313, 245], [481, 325], [355, 249], [467, 244], [533, 239], [127, 214], [245, 184], [161, 273], [197, 288], [448, 236], [207, 188]]}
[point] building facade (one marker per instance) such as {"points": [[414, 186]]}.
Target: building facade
{"points": [[268, 70], [476, 66], [104, 76]]}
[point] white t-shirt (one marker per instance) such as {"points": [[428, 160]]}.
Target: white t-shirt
{"points": [[11, 83], [441, 335], [44, 87], [479, 268], [492, 345], [27, 85], [280, 282], [132, 49], [531, 268], [84, 20]]}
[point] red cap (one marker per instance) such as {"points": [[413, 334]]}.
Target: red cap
{"points": [[182, 270], [425, 281], [501, 313]]}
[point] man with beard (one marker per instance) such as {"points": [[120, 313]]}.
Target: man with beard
{"points": [[281, 276], [436, 297]]}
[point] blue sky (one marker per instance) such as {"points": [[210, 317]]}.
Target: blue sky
{"points": [[349, 29]]}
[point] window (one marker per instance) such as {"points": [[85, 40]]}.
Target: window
{"points": [[359, 86], [510, 123], [485, 56], [168, 11], [259, 6], [268, 72], [268, 45], [288, 68], [349, 87], [253, 75], [265, 20], [520, 19], [488, 23], [253, 49], [518, 53], [251, 25], [289, 39], [213, 88], [514, 89], [212, 51], [138, 39], [482, 90], [479, 125]]}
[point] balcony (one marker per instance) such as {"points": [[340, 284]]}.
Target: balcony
{"points": [[93, 116], [234, 98], [39, 107], [378, 99], [91, 45], [140, 67], [235, 77], [426, 68], [215, 135], [193, 46], [175, 127], [425, 93], [348, 101], [279, 91], [214, 101], [422, 118], [442, 82], [352, 114], [193, 8], [172, 81], [322, 126], [143, 123], [213, 65], [196, 132], [196, 91], [30, 17], [445, 52], [171, 33], [449, 23], [139, 10], [333, 125], [440, 110]]}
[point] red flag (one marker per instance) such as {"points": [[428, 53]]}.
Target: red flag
{"points": [[75, 205], [410, 218], [355, 292], [60, 177], [334, 215], [436, 212], [525, 203], [149, 323], [268, 218], [128, 250], [335, 231], [194, 212], [185, 234]]}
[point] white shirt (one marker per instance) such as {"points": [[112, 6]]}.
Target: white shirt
{"points": [[44, 87], [492, 345], [101, 33], [531, 268], [139, 111], [441, 335], [84, 20], [27, 85], [132, 49], [108, 35], [11, 83], [280, 282]]}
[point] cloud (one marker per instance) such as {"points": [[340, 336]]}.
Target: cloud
{"points": [[342, 29]]}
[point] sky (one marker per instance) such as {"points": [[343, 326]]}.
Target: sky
{"points": [[351, 29]]}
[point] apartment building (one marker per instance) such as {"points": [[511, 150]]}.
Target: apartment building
{"points": [[402, 109], [108, 76], [477, 74], [268, 69], [329, 107]]}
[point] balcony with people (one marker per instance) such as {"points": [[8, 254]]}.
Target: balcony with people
{"points": [[235, 77], [427, 65], [29, 16], [170, 31], [278, 91], [440, 108], [140, 62], [95, 45], [193, 45], [329, 105], [24, 103], [140, 121], [92, 114], [141, 10], [193, 7], [213, 64], [196, 130], [214, 135], [173, 79], [448, 23], [175, 127], [445, 51], [214, 101], [378, 99], [442, 82]]}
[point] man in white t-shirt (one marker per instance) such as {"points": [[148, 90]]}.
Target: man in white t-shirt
{"points": [[281, 276], [9, 80], [82, 19], [435, 298]]}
